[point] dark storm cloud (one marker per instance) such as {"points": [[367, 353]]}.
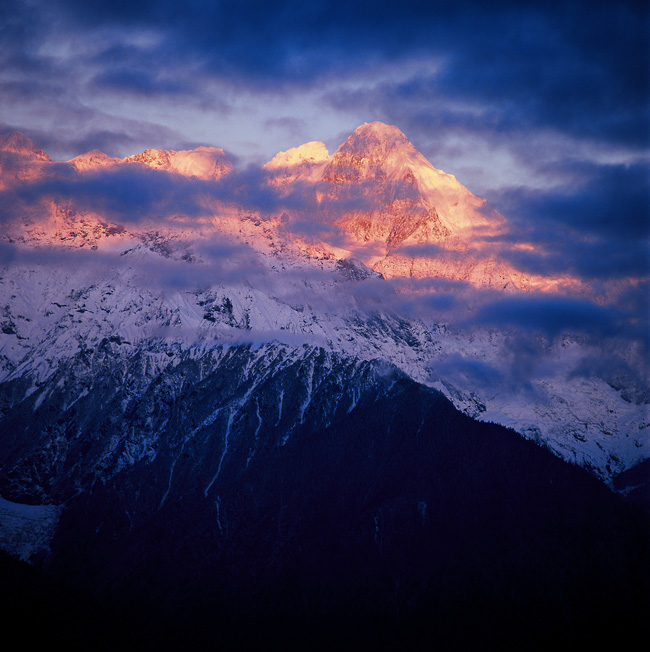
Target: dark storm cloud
{"points": [[596, 226], [552, 315], [20, 22], [598, 200], [553, 63], [581, 69], [140, 82]]}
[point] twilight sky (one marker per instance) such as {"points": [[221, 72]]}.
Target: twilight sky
{"points": [[542, 107], [499, 93]]}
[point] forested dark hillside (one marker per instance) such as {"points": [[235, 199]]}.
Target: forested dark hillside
{"points": [[389, 521]]}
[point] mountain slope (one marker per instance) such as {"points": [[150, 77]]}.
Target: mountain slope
{"points": [[291, 496], [223, 428], [167, 247]]}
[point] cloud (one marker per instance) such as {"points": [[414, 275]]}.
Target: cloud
{"points": [[479, 374], [7, 253], [533, 54], [158, 265], [552, 315], [126, 194], [287, 123], [602, 200], [142, 82], [596, 225]]}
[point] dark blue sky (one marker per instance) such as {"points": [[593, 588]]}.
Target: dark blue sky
{"points": [[542, 107]]}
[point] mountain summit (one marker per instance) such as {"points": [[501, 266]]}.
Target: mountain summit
{"points": [[391, 203], [405, 180], [17, 143], [202, 162], [373, 150]]}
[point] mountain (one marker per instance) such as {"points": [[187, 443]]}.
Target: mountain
{"points": [[202, 162], [20, 159], [93, 160], [269, 493], [222, 422], [190, 251], [417, 202], [304, 163], [17, 143], [391, 203]]}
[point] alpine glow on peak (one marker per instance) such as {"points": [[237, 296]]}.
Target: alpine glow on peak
{"points": [[417, 249], [325, 326]]}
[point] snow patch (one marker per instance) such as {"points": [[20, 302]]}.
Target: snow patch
{"points": [[27, 529]]}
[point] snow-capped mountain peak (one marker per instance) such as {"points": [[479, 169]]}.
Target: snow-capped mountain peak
{"points": [[312, 152], [303, 163], [92, 160], [17, 143], [389, 198], [202, 162], [373, 151], [382, 154]]}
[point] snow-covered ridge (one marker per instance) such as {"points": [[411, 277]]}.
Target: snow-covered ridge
{"points": [[26, 530], [74, 282], [202, 162], [312, 152], [17, 143], [93, 160]]}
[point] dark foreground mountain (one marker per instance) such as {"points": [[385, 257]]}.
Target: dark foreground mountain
{"points": [[245, 497]]}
